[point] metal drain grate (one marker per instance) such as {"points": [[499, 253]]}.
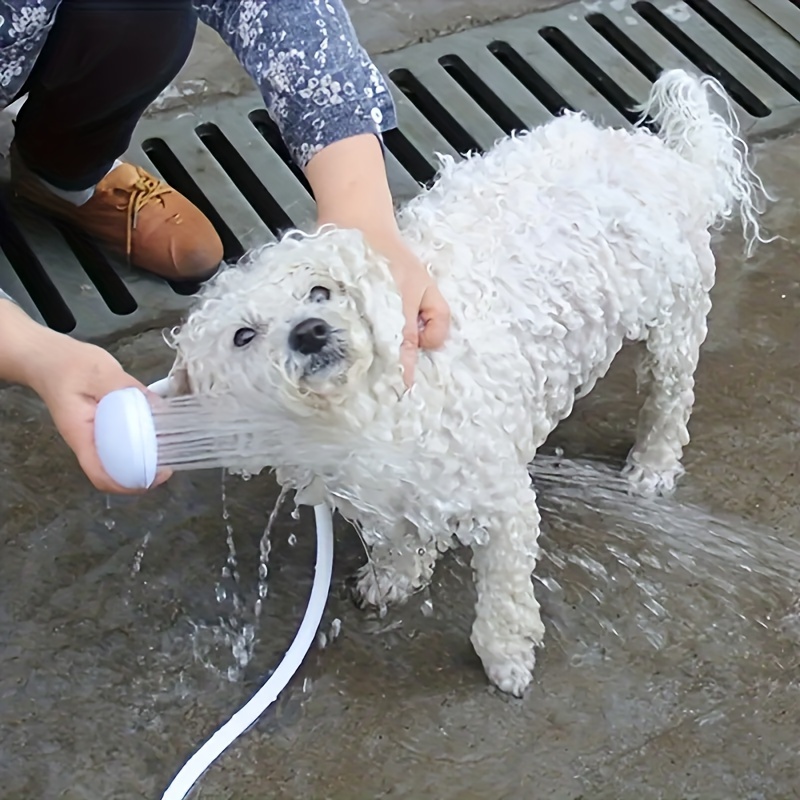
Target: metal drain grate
{"points": [[458, 93]]}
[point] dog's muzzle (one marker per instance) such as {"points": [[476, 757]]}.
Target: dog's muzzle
{"points": [[316, 348], [310, 336]]}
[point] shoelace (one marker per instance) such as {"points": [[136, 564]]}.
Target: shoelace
{"points": [[146, 189]]}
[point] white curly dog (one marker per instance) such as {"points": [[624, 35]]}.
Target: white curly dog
{"points": [[552, 249]]}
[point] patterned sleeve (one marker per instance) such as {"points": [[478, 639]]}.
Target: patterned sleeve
{"points": [[318, 83]]}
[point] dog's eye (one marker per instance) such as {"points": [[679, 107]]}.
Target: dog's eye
{"points": [[243, 336], [319, 294]]}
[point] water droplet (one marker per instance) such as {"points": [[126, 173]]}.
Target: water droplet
{"points": [[137, 559], [292, 540], [220, 593], [295, 513]]}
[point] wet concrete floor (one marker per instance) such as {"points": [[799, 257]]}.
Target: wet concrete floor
{"points": [[111, 673]]}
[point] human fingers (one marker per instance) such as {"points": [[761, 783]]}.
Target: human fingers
{"points": [[435, 316], [75, 419], [85, 451], [121, 380], [90, 463], [411, 333], [162, 476]]}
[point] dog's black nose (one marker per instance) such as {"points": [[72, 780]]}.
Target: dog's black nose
{"points": [[309, 336]]}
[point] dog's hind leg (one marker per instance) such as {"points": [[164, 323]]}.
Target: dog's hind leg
{"points": [[507, 623], [673, 350], [399, 565]]}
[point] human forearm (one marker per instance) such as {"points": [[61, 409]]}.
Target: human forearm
{"points": [[25, 346], [351, 190]]}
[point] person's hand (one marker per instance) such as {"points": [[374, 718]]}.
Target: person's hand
{"points": [[427, 314], [71, 392], [71, 377]]}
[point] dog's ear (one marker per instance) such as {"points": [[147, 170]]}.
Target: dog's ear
{"points": [[178, 377], [370, 281]]}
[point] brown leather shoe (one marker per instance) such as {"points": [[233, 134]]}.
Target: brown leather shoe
{"points": [[135, 215]]}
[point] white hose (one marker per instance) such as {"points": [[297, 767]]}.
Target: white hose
{"points": [[183, 782], [248, 715]]}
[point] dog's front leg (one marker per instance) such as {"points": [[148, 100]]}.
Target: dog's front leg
{"points": [[399, 565], [508, 624]]}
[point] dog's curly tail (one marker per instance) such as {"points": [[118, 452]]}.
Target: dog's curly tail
{"points": [[680, 106]]}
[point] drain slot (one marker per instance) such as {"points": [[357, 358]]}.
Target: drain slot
{"points": [[409, 157], [32, 275], [590, 72], [700, 58], [474, 86], [271, 134], [529, 78], [108, 284], [625, 46], [434, 111], [177, 176], [245, 180], [784, 77]]}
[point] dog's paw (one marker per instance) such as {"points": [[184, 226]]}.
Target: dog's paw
{"points": [[511, 674], [648, 482], [381, 586], [507, 654]]}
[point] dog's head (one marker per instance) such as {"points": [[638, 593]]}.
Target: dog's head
{"points": [[314, 318]]}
